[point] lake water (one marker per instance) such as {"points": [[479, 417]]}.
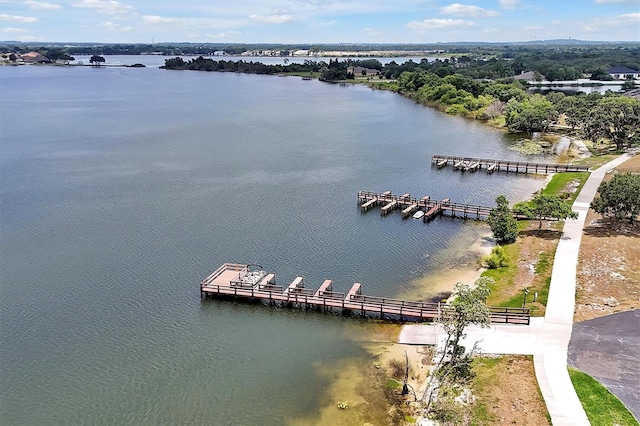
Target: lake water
{"points": [[121, 188]]}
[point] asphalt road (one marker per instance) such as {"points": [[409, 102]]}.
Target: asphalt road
{"points": [[608, 348]]}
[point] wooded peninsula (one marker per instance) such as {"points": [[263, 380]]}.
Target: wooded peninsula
{"points": [[493, 87]]}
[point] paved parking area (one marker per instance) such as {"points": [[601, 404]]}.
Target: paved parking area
{"points": [[608, 348]]}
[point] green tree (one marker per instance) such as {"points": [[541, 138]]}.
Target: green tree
{"points": [[503, 225], [534, 114], [468, 307], [96, 60], [619, 197], [576, 110], [618, 118], [545, 206], [174, 63]]}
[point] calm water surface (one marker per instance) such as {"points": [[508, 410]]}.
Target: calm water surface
{"points": [[120, 189]]}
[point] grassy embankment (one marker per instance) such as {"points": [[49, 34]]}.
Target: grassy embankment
{"points": [[602, 407], [506, 291], [315, 75]]}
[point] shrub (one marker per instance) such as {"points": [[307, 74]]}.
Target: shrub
{"points": [[497, 258]]}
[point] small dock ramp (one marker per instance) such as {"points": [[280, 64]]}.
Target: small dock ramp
{"points": [[295, 285], [432, 212], [409, 210], [388, 208], [369, 204]]}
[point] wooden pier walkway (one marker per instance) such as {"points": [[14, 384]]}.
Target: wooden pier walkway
{"points": [[250, 282], [473, 164], [409, 205]]}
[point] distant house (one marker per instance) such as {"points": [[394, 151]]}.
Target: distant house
{"points": [[528, 76], [623, 73], [361, 71], [34, 58]]}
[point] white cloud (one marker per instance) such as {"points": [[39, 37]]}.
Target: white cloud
{"points": [[437, 24], [224, 34], [16, 18], [39, 5], [107, 7], [155, 19], [632, 16], [114, 26], [466, 10], [13, 30], [272, 19], [509, 4]]}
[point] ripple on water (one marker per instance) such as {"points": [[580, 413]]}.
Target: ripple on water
{"points": [[107, 233]]}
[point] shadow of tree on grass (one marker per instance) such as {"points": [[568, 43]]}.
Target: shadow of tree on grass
{"points": [[547, 234], [611, 228]]}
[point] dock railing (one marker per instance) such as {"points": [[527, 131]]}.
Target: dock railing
{"points": [[326, 298]]}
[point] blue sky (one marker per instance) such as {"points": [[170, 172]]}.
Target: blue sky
{"points": [[318, 21]]}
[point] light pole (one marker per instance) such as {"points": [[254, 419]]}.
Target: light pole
{"points": [[524, 297]]}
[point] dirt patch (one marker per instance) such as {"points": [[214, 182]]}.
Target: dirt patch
{"points": [[608, 275], [632, 165], [507, 392], [503, 391], [537, 250]]}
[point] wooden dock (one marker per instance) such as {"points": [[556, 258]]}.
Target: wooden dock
{"points": [[251, 283], [473, 164], [409, 205]]}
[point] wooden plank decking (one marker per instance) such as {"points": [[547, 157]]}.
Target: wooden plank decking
{"points": [[473, 164], [432, 208], [409, 205], [224, 282]]}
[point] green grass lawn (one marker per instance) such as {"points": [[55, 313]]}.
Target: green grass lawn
{"points": [[602, 407], [560, 181], [596, 161]]}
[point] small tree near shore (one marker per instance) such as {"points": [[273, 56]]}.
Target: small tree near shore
{"points": [[96, 60], [454, 364], [503, 225], [545, 206], [619, 198]]}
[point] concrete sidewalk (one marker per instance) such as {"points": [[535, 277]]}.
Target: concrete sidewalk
{"points": [[498, 339], [546, 338], [550, 357]]}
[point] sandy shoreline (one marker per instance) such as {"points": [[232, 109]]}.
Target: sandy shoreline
{"points": [[438, 285], [350, 384]]}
